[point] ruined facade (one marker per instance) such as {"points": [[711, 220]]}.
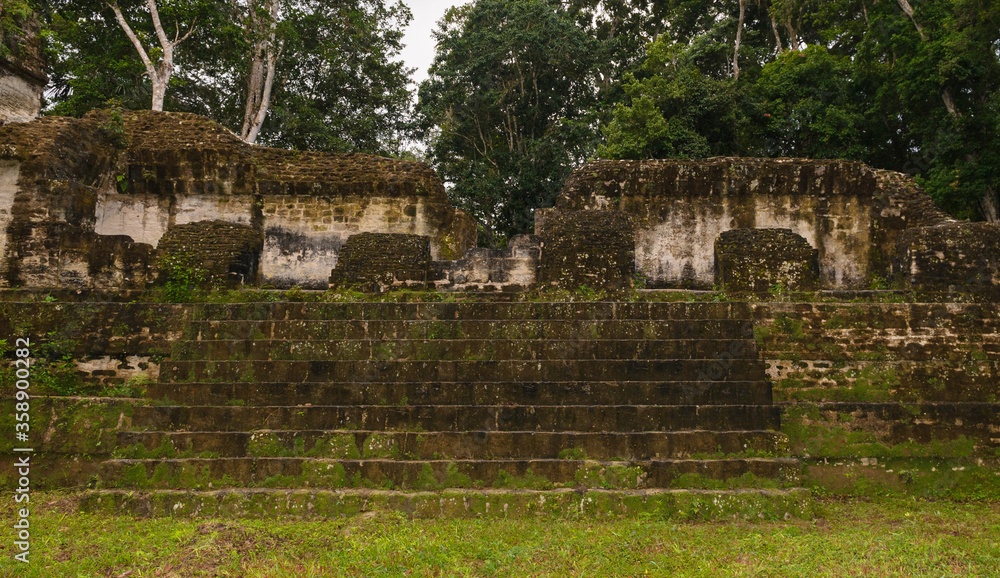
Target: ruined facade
{"points": [[851, 214], [85, 202], [22, 72]]}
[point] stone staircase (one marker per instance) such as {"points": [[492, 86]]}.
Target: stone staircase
{"points": [[458, 409]]}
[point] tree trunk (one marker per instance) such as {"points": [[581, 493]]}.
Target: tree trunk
{"points": [[255, 87], [739, 39], [990, 205], [908, 10], [159, 74], [949, 100], [159, 92], [263, 62], [777, 35], [793, 37]]}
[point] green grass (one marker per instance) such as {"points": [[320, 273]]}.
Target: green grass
{"points": [[889, 537]]}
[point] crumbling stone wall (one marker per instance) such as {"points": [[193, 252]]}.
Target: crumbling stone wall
{"points": [[22, 72], [955, 257], [376, 261], [52, 172], [758, 259], [850, 213], [216, 252], [140, 174], [512, 269], [591, 247]]}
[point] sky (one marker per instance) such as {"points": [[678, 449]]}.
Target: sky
{"points": [[418, 51]]}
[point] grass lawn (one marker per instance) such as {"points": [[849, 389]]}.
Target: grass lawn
{"points": [[881, 537]]}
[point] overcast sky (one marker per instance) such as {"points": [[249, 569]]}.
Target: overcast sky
{"points": [[419, 50]]}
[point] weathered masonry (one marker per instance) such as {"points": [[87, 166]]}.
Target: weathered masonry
{"points": [[22, 72], [85, 202], [853, 215]]}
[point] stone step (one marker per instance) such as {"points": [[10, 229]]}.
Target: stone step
{"points": [[902, 348], [679, 504], [354, 444], [204, 474], [471, 310], [466, 393], [618, 418], [720, 369], [472, 329], [463, 349]]}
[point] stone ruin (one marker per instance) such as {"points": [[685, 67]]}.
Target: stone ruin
{"points": [[22, 72], [491, 405], [86, 204]]}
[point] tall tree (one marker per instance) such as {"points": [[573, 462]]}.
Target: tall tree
{"points": [[505, 108], [899, 85], [259, 22], [313, 74], [159, 72]]}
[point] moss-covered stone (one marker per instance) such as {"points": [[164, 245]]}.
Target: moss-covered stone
{"points": [[210, 254], [760, 260], [587, 248], [953, 257], [377, 261]]}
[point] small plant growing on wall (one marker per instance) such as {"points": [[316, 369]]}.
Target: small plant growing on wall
{"points": [[114, 128], [181, 277]]}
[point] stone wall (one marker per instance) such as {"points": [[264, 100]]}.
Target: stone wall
{"points": [[512, 269], [956, 258], [53, 172], [851, 214], [136, 176], [595, 248], [377, 261], [761, 259], [883, 380], [215, 252], [22, 74]]}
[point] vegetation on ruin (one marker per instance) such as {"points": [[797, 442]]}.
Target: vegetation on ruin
{"points": [[521, 92]]}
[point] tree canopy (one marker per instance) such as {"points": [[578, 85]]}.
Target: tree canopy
{"points": [[505, 110], [327, 71], [522, 91]]}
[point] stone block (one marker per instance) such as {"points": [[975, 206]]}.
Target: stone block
{"points": [[376, 261], [211, 253], [758, 259], [591, 247], [955, 257]]}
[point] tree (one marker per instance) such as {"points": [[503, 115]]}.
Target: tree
{"points": [[672, 109], [900, 86], [309, 74], [159, 73], [505, 110], [342, 87], [259, 22]]}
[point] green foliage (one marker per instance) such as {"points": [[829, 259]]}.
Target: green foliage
{"points": [[13, 14], [840, 79], [671, 109], [805, 104], [181, 278], [505, 110], [338, 85], [114, 128]]}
